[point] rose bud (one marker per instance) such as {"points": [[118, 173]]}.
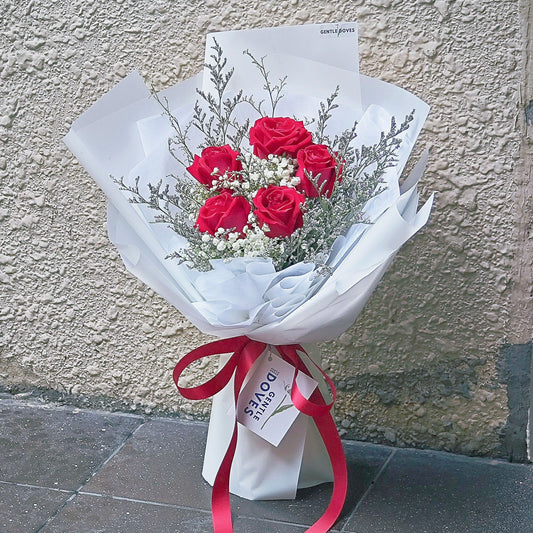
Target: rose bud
{"points": [[222, 158], [278, 136], [223, 211], [280, 208], [317, 159]]}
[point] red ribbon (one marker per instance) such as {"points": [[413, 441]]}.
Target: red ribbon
{"points": [[245, 352]]}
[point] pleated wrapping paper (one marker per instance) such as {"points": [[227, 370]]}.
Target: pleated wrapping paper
{"points": [[124, 134]]}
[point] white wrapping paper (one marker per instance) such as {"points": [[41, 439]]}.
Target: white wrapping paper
{"points": [[261, 471], [124, 134]]}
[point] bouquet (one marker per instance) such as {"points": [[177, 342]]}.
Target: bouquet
{"points": [[262, 199]]}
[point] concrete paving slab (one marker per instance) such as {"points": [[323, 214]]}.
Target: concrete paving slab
{"points": [[363, 463], [24, 509], [436, 492], [57, 447], [97, 514], [162, 463], [69, 470]]}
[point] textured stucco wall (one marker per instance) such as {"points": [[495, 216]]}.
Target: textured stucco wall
{"points": [[422, 365]]}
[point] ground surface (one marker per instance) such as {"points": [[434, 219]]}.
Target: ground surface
{"points": [[67, 470]]}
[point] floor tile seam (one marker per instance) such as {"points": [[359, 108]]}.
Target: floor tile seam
{"points": [[113, 454], [51, 406], [187, 508], [147, 502], [96, 471], [270, 520], [498, 462], [493, 461], [32, 486], [24, 402], [56, 512], [368, 490], [77, 491]]}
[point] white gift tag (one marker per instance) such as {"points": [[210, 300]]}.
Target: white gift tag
{"points": [[264, 405]]}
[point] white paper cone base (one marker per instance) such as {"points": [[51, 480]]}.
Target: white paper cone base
{"points": [[261, 471]]}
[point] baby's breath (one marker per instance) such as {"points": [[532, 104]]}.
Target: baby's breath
{"points": [[359, 177]]}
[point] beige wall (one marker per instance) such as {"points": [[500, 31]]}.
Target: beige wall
{"points": [[420, 367]]}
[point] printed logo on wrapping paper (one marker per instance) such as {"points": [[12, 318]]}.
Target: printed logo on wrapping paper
{"points": [[264, 405], [337, 30]]}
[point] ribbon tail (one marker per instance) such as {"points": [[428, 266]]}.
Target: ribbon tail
{"points": [[245, 353], [328, 431], [220, 499], [319, 410]]}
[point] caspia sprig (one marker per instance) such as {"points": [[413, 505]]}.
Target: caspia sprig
{"points": [[359, 173]]}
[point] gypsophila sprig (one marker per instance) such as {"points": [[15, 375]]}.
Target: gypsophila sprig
{"points": [[273, 190]]}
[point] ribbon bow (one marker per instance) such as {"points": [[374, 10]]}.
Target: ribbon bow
{"points": [[245, 352]]}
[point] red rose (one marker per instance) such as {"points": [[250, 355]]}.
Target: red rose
{"points": [[317, 159], [221, 157], [279, 208], [223, 211], [278, 136]]}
